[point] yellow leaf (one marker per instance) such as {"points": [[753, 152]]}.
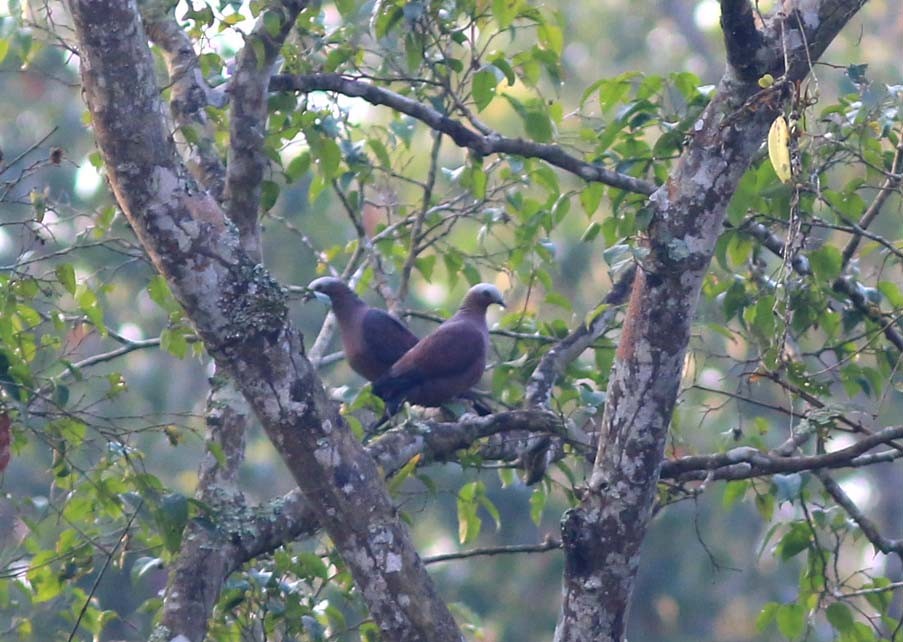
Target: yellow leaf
{"points": [[779, 148]]}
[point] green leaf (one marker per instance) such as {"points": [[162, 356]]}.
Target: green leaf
{"points": [[791, 619], [174, 342], [766, 616], [826, 262], [840, 617], [504, 12], [734, 492], [484, 86], [469, 523], [425, 265], [551, 37], [158, 290], [328, 155], [591, 232], [379, 149], [65, 273], [486, 503], [590, 197], [269, 195], [891, 292], [556, 298], [504, 66], [537, 503], [4, 48], [171, 517], [298, 167], [312, 565], [403, 473], [795, 541], [538, 126], [89, 304]]}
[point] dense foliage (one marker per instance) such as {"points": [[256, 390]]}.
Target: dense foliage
{"points": [[415, 149]]}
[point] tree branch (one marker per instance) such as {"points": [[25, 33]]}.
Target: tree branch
{"points": [[462, 136], [888, 187], [602, 536], [197, 574], [241, 315], [869, 528], [548, 545], [845, 285], [189, 96], [247, 128], [554, 362], [759, 463], [741, 38]]}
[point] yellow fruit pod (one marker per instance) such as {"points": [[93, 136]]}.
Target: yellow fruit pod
{"points": [[779, 148]]}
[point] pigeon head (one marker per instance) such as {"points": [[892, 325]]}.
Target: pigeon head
{"points": [[327, 289], [481, 296]]}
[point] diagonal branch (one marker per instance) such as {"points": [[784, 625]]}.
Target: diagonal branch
{"points": [[602, 536], [869, 528], [845, 285], [890, 184], [554, 362], [247, 127], [460, 134], [189, 97], [741, 38], [240, 313]]}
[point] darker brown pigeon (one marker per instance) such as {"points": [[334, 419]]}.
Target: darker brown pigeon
{"points": [[372, 339], [447, 362]]}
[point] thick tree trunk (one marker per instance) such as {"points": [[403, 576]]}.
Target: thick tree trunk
{"points": [[603, 535], [240, 313]]}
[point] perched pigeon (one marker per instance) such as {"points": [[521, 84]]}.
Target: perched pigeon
{"points": [[447, 362], [372, 339]]}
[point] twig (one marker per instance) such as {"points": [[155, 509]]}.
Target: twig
{"points": [[103, 570], [418, 220], [869, 528], [891, 183], [461, 135], [548, 545]]}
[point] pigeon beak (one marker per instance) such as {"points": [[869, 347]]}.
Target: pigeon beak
{"points": [[319, 296]]}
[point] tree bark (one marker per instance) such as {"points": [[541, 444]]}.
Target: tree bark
{"points": [[603, 535], [241, 315]]}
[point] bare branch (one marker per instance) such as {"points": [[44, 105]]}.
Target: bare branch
{"points": [[869, 528], [461, 135], [247, 130], [241, 315], [190, 95], [205, 553], [741, 38], [290, 517], [548, 545], [759, 463], [417, 226], [890, 184], [554, 362]]}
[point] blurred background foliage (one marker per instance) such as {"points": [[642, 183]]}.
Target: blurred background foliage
{"points": [[104, 386]]}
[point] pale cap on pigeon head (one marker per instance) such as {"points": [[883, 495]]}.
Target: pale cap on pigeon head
{"points": [[372, 339], [329, 286], [482, 295]]}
